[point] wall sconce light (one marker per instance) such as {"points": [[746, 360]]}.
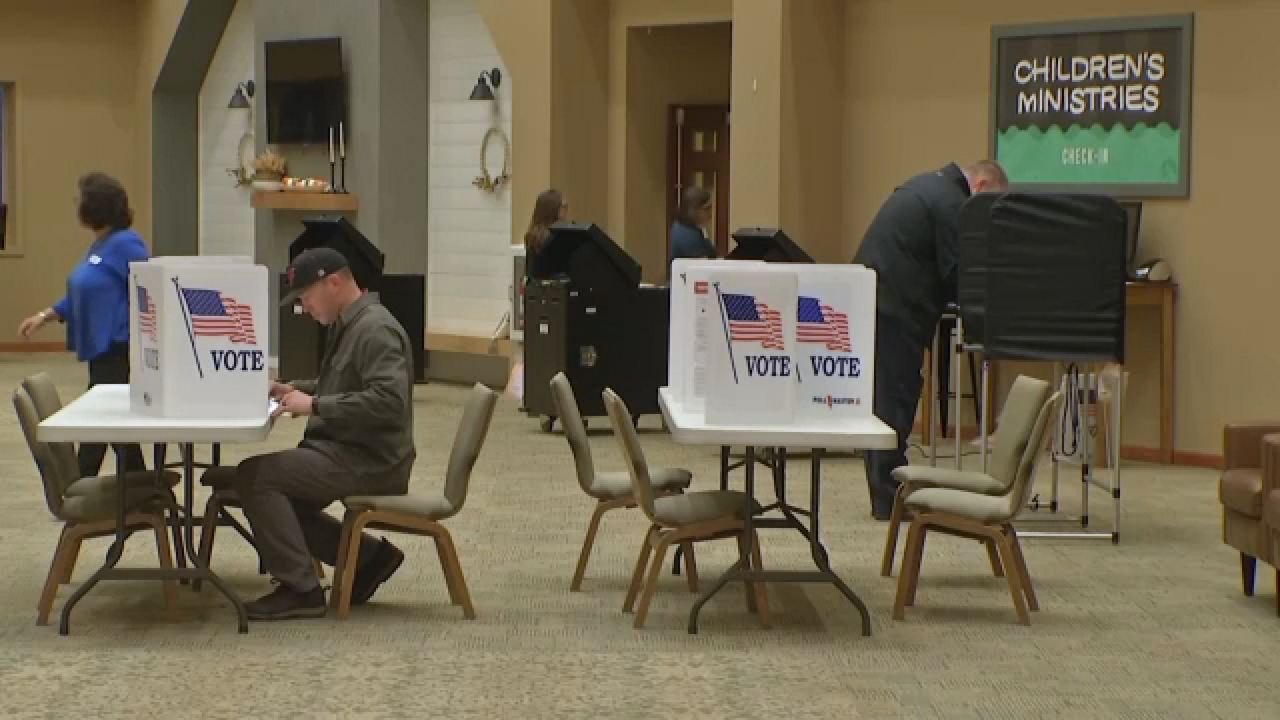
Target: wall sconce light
{"points": [[482, 90], [238, 100]]}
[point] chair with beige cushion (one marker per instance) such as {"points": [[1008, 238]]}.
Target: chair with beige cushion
{"points": [[609, 489], [419, 514], [678, 519], [978, 516], [1251, 472], [87, 506], [1026, 397]]}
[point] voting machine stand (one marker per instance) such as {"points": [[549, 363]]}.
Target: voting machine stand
{"points": [[587, 315], [1042, 279]]}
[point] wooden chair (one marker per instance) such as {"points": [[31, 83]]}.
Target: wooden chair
{"points": [[610, 490], [1025, 399], [680, 519], [420, 515], [988, 518], [91, 511]]}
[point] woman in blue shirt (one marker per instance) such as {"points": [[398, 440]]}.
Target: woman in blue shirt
{"points": [[96, 306], [687, 238]]}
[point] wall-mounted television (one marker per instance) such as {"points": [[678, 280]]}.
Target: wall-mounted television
{"points": [[306, 90]]}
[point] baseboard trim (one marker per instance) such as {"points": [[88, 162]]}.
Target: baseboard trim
{"points": [[32, 347], [1137, 453]]}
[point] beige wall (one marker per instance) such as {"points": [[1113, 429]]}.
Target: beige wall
{"points": [[755, 152], [666, 65], [917, 77], [75, 111]]}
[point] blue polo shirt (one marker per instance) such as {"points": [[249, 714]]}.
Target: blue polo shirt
{"points": [[96, 307]]}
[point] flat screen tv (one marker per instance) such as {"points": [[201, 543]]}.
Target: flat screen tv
{"points": [[306, 90]]}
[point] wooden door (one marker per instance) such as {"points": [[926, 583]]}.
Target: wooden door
{"points": [[698, 154]]}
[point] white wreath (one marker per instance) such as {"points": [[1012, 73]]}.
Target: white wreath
{"points": [[486, 181]]}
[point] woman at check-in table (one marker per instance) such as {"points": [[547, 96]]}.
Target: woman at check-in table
{"points": [[687, 237], [549, 209], [96, 306]]}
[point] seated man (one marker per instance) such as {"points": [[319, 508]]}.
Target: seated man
{"points": [[358, 441]]}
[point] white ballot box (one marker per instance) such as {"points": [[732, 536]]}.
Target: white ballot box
{"points": [[198, 337], [770, 343], [750, 346], [836, 340]]}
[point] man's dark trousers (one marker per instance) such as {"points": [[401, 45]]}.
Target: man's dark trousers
{"points": [[899, 356]]}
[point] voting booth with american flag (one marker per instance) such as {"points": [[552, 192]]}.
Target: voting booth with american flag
{"points": [[765, 344], [198, 337]]}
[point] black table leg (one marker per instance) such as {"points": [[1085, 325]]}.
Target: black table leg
{"points": [[738, 571], [202, 571], [820, 557]]}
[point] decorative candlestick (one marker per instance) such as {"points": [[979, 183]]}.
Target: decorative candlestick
{"points": [[332, 187], [342, 157]]}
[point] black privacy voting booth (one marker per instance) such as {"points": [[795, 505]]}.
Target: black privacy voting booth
{"points": [[404, 295], [1042, 278], [586, 315], [767, 244]]}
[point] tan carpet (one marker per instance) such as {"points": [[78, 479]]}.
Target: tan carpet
{"points": [[1154, 628]]}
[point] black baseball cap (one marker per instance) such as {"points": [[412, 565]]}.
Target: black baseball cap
{"points": [[308, 267]]}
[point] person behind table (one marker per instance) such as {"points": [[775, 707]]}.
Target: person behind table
{"points": [[95, 308], [549, 209], [913, 245], [358, 441], [687, 237]]}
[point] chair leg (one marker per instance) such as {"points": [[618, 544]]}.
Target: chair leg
{"points": [[208, 530], [1014, 575], [651, 584], [891, 541], [1032, 603], [1277, 591], [71, 559], [691, 567], [587, 544], [59, 568], [993, 555], [454, 568], [160, 523], [1248, 568], [449, 584], [339, 560], [917, 560], [909, 570], [637, 575], [762, 598], [353, 525]]}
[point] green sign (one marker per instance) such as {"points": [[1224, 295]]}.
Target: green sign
{"points": [[1100, 106]]}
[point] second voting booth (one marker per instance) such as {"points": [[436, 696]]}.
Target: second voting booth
{"points": [[755, 343]]}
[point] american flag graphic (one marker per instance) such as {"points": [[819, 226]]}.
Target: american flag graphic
{"points": [[821, 325], [146, 314], [752, 321], [216, 315]]}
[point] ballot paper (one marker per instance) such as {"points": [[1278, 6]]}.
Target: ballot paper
{"points": [[272, 405]]}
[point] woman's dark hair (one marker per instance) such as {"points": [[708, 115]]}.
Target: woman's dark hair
{"points": [[692, 200], [546, 212], [104, 203]]}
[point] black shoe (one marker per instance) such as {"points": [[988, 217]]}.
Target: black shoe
{"points": [[384, 563], [285, 603]]}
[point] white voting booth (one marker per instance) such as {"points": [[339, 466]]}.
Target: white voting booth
{"points": [[198, 337], [757, 343]]}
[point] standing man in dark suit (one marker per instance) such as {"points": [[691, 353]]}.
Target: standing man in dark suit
{"points": [[913, 245]]}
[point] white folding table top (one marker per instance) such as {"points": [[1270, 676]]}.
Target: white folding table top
{"points": [[102, 415], [692, 429]]}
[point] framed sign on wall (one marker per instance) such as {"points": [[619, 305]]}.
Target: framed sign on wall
{"points": [[1099, 106]]}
